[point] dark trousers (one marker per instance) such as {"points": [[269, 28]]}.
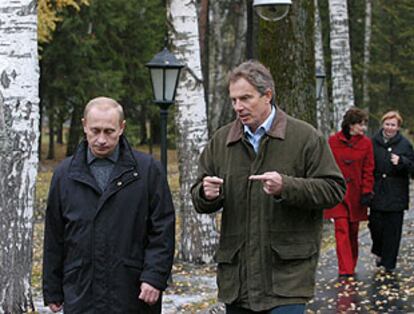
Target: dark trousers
{"points": [[386, 229], [283, 309]]}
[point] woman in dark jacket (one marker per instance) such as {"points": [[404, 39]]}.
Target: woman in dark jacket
{"points": [[394, 160], [354, 156]]}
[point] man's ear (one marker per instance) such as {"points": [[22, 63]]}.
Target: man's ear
{"points": [[123, 125], [269, 95], [84, 124]]}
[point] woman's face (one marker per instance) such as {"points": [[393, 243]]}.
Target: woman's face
{"points": [[358, 128], [391, 127]]}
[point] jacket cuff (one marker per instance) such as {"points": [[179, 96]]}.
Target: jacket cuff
{"points": [[205, 205], [157, 281]]}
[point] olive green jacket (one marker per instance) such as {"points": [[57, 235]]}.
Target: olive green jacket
{"points": [[277, 238]]}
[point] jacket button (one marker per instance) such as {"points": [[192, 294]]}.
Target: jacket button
{"points": [[135, 174], [119, 183], [389, 149], [384, 175]]}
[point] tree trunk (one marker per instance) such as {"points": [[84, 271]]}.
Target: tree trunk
{"points": [[199, 235], [19, 133], [287, 48], [51, 122], [227, 48], [367, 53], [342, 89], [75, 130], [323, 110], [204, 27]]}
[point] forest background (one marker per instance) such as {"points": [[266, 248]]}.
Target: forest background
{"points": [[89, 48]]}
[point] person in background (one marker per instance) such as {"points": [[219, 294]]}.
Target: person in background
{"points": [[273, 175], [394, 161], [109, 231], [354, 155]]}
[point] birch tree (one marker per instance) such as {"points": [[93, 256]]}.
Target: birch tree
{"points": [[227, 49], [367, 44], [342, 89], [199, 235], [323, 112], [19, 131]]}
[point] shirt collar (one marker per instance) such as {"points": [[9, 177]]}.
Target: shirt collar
{"points": [[113, 157], [265, 126]]}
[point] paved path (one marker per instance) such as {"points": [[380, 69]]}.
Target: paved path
{"points": [[372, 290]]}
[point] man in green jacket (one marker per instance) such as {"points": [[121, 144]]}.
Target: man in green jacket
{"points": [[272, 175]]}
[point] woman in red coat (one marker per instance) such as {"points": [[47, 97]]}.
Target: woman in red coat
{"points": [[354, 155]]}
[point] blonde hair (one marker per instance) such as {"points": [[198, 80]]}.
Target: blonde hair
{"points": [[393, 114]]}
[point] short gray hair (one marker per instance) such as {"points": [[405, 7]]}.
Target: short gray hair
{"points": [[256, 74], [105, 102]]}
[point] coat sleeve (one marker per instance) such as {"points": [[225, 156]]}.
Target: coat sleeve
{"points": [[206, 168], [406, 162], [322, 186], [368, 170], [159, 251], [53, 246]]}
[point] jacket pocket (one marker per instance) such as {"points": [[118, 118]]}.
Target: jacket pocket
{"points": [[72, 281], [71, 266], [293, 269], [132, 263], [228, 274]]}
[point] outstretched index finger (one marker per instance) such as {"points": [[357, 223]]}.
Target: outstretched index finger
{"points": [[259, 177]]}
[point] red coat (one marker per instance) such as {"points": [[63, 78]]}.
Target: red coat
{"points": [[355, 158]]}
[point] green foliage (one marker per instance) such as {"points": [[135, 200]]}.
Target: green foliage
{"points": [[392, 67], [102, 50]]}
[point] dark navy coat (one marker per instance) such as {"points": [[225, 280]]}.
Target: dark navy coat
{"points": [[391, 186], [99, 246]]}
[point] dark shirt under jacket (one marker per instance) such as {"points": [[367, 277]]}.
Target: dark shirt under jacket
{"points": [[101, 168]]}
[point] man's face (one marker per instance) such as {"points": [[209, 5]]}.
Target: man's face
{"points": [[103, 129], [251, 107]]}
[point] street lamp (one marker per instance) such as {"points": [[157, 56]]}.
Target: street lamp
{"points": [[272, 10], [320, 78], [164, 71]]}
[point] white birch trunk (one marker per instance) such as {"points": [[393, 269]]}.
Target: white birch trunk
{"points": [[323, 113], [19, 132], [367, 53], [342, 89], [199, 234]]}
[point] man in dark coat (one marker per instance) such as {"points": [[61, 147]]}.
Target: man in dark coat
{"points": [[272, 175], [394, 161], [109, 232]]}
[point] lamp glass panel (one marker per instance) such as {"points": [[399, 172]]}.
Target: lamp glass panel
{"points": [[272, 12], [171, 76], [157, 83]]}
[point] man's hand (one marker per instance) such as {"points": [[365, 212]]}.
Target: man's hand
{"points": [[272, 182], [149, 294], [55, 307], [395, 159], [211, 187]]}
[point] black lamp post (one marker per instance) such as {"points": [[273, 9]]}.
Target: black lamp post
{"points": [[164, 71], [320, 78]]}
